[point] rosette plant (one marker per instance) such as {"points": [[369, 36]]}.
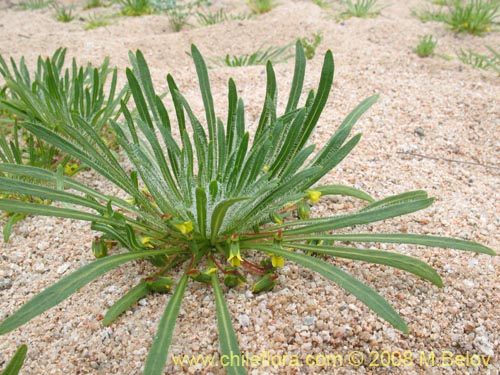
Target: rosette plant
{"points": [[206, 200]]}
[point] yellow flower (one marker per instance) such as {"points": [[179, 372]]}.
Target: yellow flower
{"points": [[278, 261], [313, 195], [70, 168], [146, 241], [234, 252], [185, 227]]}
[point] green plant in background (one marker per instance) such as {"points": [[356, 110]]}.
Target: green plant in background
{"points": [[426, 46], [94, 21], [361, 8], [261, 6], [323, 4], [35, 4], [178, 11], [15, 364], [260, 57], [472, 16], [481, 61], [51, 98], [310, 44], [54, 94], [135, 8], [212, 204], [212, 18], [178, 18], [63, 14], [91, 4]]}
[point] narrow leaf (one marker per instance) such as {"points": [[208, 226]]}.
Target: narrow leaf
{"points": [[17, 361], [69, 285], [158, 353], [227, 338], [361, 291], [125, 302]]}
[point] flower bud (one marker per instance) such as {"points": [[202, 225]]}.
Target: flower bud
{"points": [[99, 248], [159, 284], [265, 283], [202, 277], [303, 210]]}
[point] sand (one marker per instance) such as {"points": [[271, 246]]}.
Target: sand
{"points": [[435, 127]]}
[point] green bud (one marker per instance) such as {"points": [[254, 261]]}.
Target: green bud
{"points": [[265, 283], [202, 277], [303, 210], [99, 248], [232, 278], [159, 284]]}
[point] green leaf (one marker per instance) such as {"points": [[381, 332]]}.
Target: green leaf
{"points": [[17, 361], [363, 217], [7, 228], [403, 262], [208, 102], [298, 78], [158, 353], [219, 214], [68, 285], [201, 209], [132, 296], [396, 199], [414, 239], [21, 187], [325, 85], [361, 291], [45, 210], [227, 338], [343, 190]]}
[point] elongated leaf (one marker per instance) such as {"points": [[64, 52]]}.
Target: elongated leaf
{"points": [[69, 285], [7, 228], [398, 198], [45, 210], [320, 99], [201, 208], [21, 187], [17, 361], [298, 78], [363, 217], [206, 93], [343, 190], [132, 296], [227, 338], [159, 350], [219, 214], [414, 239], [403, 262], [363, 292]]}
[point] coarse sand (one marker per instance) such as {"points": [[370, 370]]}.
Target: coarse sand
{"points": [[435, 127]]}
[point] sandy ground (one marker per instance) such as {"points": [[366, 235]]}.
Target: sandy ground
{"points": [[457, 113]]}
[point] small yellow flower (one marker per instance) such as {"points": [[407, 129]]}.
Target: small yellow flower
{"points": [[313, 195], [70, 168], [146, 241], [278, 261], [234, 252], [185, 227]]}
